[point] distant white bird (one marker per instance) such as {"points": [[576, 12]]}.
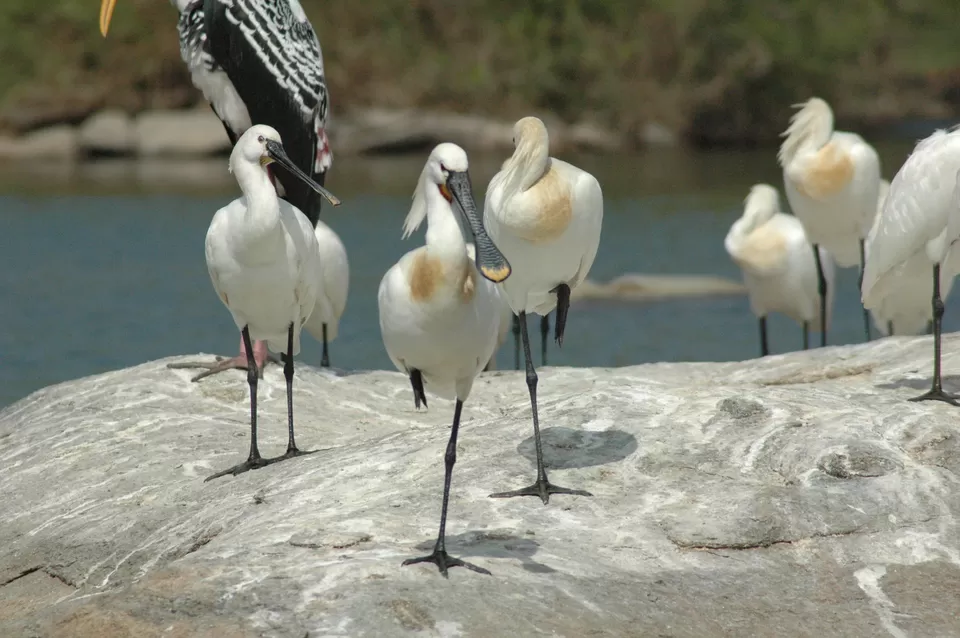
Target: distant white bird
{"points": [[906, 308], [920, 218], [545, 215], [438, 317], [777, 261], [263, 260], [334, 276], [832, 180]]}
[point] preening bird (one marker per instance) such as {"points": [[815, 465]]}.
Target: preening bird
{"points": [[263, 259], [832, 179], [777, 261], [906, 308], [545, 215], [334, 277], [258, 61], [920, 221], [438, 316]]}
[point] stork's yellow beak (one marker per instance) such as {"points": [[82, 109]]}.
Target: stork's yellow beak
{"points": [[106, 12]]}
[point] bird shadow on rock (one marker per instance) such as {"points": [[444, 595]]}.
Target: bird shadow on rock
{"points": [[951, 384], [493, 543], [566, 448]]}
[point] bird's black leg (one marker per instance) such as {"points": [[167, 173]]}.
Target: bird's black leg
{"points": [[439, 556], [866, 313], [889, 328], [325, 359], [563, 305], [254, 460], [936, 392], [544, 333], [542, 487], [822, 289], [416, 380], [292, 450], [806, 335], [764, 349], [516, 342]]}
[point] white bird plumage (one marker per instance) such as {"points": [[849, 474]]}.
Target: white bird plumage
{"points": [[506, 314], [263, 260], [777, 262], [919, 221], [832, 180], [906, 306], [438, 315], [334, 277], [545, 215]]}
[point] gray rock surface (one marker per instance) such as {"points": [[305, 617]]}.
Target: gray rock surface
{"points": [[641, 287], [176, 133], [108, 132], [797, 495]]}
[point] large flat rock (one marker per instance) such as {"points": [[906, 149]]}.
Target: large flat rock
{"points": [[797, 495]]}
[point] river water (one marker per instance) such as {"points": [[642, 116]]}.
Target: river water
{"points": [[103, 262]]}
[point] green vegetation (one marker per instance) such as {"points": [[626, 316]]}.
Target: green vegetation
{"points": [[719, 70]]}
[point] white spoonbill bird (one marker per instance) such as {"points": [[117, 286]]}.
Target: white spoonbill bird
{"points": [[438, 317], [258, 61], [334, 277], [832, 180], [778, 267], [545, 215], [506, 314], [906, 309], [262, 256], [920, 219]]}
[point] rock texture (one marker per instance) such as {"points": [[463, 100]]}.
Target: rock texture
{"points": [[797, 495]]}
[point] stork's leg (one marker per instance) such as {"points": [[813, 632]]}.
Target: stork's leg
{"points": [[563, 305], [544, 333], [542, 487], [439, 556], [516, 342], [325, 359], [936, 392], [260, 356], [254, 460], [806, 335], [889, 328], [292, 450], [416, 382], [866, 313], [764, 348], [822, 289]]}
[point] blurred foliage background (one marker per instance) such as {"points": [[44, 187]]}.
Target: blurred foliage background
{"points": [[718, 71]]}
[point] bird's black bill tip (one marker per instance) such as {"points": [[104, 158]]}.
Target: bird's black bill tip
{"points": [[276, 153], [489, 260]]}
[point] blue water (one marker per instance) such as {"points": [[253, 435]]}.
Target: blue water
{"points": [[103, 264]]}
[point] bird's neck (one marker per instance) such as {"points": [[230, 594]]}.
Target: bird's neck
{"points": [[444, 236], [526, 166], [262, 213]]}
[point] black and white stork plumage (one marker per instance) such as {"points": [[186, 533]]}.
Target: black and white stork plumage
{"points": [[258, 61]]}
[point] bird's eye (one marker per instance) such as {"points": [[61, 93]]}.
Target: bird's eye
{"points": [[443, 168], [260, 139]]}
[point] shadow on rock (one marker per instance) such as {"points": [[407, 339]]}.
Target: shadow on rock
{"points": [[565, 448], [950, 383], [493, 543]]}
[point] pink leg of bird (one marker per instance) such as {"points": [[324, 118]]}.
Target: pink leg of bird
{"points": [[239, 362]]}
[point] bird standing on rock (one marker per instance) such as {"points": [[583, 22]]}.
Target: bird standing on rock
{"points": [[545, 215], [439, 317], [832, 180], [263, 259], [920, 222], [258, 61], [778, 267]]}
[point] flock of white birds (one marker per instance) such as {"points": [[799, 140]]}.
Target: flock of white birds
{"points": [[900, 233]]}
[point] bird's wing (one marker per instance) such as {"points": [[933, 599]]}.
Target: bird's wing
{"points": [[866, 177], [215, 253], [335, 266], [916, 209], [271, 54], [194, 48], [306, 258], [587, 193]]}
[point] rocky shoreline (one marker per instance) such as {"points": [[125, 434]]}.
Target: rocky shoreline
{"points": [[196, 132]]}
